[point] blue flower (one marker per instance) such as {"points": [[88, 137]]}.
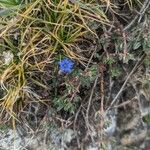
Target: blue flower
{"points": [[66, 65]]}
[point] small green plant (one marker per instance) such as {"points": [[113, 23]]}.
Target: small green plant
{"points": [[64, 104], [147, 62], [4, 127], [115, 72], [87, 77], [147, 119], [109, 60]]}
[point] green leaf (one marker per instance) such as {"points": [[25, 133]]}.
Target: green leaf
{"points": [[8, 3], [115, 72], [136, 45], [11, 10]]}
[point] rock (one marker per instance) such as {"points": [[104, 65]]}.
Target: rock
{"points": [[128, 116], [10, 140], [8, 57], [133, 137], [144, 106], [57, 140], [92, 147], [110, 122]]}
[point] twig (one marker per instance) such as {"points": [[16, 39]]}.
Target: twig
{"points": [[125, 103], [101, 71], [145, 7], [124, 84], [74, 126], [90, 99], [142, 11], [77, 88], [102, 68], [89, 127]]}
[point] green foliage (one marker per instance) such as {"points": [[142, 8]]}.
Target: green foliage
{"points": [[126, 58], [109, 61], [147, 62], [11, 8], [88, 77], [115, 72], [64, 104], [4, 127], [10, 3], [147, 119], [114, 69], [70, 88]]}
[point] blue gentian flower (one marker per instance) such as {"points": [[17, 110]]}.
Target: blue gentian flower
{"points": [[66, 65]]}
